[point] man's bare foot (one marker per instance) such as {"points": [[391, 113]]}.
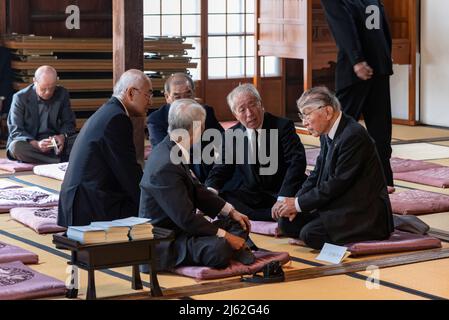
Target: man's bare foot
{"points": [[391, 189]]}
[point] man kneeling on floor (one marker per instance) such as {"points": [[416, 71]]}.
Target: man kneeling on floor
{"points": [[171, 196], [345, 198]]}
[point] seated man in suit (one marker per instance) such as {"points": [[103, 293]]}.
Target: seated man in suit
{"points": [[345, 198], [264, 135], [102, 179], [171, 196], [41, 123], [180, 86]]}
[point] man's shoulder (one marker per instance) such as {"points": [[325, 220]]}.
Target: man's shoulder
{"points": [[353, 129], [278, 122], [160, 113], [25, 92]]}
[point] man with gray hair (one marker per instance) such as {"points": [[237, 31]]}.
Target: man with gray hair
{"points": [[345, 198], [102, 179], [171, 197], [41, 123], [180, 86], [274, 161]]}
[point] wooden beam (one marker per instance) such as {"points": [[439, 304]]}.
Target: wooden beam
{"points": [[296, 275], [127, 44], [413, 35]]}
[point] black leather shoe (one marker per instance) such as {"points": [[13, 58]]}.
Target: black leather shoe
{"points": [[245, 256]]}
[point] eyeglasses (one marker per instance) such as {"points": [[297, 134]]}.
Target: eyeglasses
{"points": [[304, 116], [148, 95]]}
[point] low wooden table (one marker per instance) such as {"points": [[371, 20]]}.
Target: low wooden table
{"points": [[115, 255]]}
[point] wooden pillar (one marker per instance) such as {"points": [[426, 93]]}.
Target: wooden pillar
{"points": [[257, 80], [2, 19], [18, 19], [127, 21]]}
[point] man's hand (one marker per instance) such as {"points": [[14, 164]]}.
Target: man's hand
{"points": [[43, 146], [288, 209], [276, 210], [60, 141], [240, 218], [235, 242], [363, 70]]}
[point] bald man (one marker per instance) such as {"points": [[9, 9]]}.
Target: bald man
{"points": [[103, 176], [41, 122]]}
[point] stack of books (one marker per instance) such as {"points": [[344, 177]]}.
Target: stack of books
{"points": [[120, 230], [139, 228]]}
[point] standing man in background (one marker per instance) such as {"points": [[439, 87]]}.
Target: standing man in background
{"points": [[364, 67]]}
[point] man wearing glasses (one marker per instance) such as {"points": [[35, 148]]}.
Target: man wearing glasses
{"points": [[180, 86], [345, 198], [41, 122], [103, 176]]}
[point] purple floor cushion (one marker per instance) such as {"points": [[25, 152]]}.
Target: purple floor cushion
{"points": [[311, 156], [8, 184], [14, 166], [41, 220], [26, 197], [9, 253], [399, 241], [266, 228], [415, 202], [399, 165], [235, 269], [18, 282], [53, 171], [437, 177]]}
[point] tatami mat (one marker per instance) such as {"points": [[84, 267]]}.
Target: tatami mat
{"points": [[420, 151], [419, 132]]}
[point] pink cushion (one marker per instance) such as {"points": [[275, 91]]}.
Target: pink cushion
{"points": [[41, 220], [399, 241], [399, 165], [53, 171], [9, 253], [26, 197], [228, 124], [17, 281], [312, 155], [437, 177], [14, 166], [266, 228], [415, 202], [235, 268]]}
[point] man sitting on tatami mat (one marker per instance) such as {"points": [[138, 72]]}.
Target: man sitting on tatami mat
{"points": [[41, 122], [171, 196], [345, 198]]}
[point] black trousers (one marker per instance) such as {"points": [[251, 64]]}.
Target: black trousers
{"points": [[307, 227], [371, 99], [212, 251], [256, 206]]}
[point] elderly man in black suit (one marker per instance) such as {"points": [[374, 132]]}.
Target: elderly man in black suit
{"points": [[364, 67], [171, 196], [102, 179], [345, 198], [180, 86], [274, 160], [41, 116]]}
